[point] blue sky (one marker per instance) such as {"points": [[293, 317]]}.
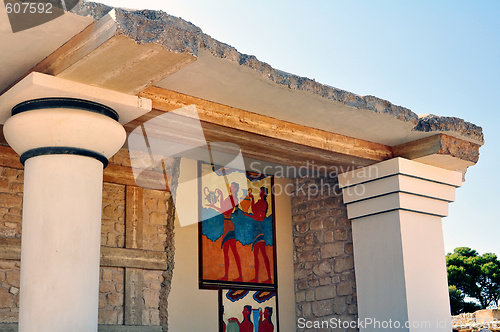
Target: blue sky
{"points": [[440, 57]]}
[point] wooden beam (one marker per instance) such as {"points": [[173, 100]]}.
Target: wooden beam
{"points": [[134, 217], [258, 131], [133, 258], [133, 297], [10, 249]]}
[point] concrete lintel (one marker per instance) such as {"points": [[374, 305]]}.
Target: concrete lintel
{"points": [[37, 85], [441, 150]]}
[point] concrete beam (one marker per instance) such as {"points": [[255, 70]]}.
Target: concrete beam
{"points": [[105, 54]]}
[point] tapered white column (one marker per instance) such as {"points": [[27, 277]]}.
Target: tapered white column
{"points": [[64, 145], [396, 208]]}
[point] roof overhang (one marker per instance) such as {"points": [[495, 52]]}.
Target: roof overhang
{"points": [[172, 62]]}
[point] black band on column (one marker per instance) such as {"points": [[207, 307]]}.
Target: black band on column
{"points": [[63, 150], [73, 103]]}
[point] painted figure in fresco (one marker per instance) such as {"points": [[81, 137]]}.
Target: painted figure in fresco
{"points": [[229, 206], [259, 212], [265, 324], [246, 325]]}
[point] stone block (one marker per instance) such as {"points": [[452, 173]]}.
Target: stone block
{"points": [[106, 287], [309, 239], [316, 224], [13, 278], [325, 292], [6, 299], [332, 250], [115, 299], [328, 237], [340, 234], [344, 264], [339, 306], [344, 288], [156, 218], [325, 281], [306, 310], [108, 317], [151, 298], [10, 200], [322, 308], [310, 295], [322, 268], [302, 228], [300, 297], [106, 274]]}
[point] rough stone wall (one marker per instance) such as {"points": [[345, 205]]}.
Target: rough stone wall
{"points": [[477, 321], [111, 295], [323, 253], [11, 201], [151, 292], [155, 219], [113, 215]]}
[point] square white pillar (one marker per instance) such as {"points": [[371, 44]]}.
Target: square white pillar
{"points": [[396, 208]]}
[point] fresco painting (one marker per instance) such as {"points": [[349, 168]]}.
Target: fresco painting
{"points": [[236, 229], [248, 311]]}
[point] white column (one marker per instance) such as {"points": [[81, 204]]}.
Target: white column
{"points": [[396, 208], [64, 144]]}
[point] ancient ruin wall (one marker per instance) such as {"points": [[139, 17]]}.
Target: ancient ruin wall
{"points": [[323, 252]]}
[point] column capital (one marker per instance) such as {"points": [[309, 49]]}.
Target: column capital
{"points": [[399, 184], [64, 126]]}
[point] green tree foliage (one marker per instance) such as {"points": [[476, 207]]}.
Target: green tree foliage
{"points": [[473, 276], [458, 303]]}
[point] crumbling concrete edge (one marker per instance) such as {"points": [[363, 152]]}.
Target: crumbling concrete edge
{"points": [[453, 125]]}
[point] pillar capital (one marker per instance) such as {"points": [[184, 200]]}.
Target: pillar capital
{"points": [[399, 184], [47, 126]]}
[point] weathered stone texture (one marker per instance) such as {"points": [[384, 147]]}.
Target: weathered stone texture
{"points": [[113, 215], [9, 290], [111, 295], [155, 219], [325, 285], [151, 293], [448, 124], [11, 202]]}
